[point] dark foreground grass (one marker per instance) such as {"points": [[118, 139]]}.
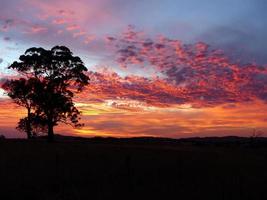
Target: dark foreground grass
{"points": [[128, 170]]}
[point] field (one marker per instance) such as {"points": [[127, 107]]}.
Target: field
{"points": [[133, 169]]}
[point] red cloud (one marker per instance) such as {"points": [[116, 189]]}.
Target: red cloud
{"points": [[203, 74], [110, 85], [153, 92]]}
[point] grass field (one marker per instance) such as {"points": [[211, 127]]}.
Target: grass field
{"points": [[131, 169]]}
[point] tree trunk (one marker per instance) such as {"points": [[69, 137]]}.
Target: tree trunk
{"points": [[28, 125], [50, 135]]}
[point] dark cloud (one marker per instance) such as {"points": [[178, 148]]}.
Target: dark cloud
{"points": [[5, 24], [7, 38]]}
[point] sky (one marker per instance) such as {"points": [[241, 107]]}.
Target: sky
{"points": [[173, 68]]}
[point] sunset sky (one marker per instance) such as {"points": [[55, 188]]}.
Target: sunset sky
{"points": [[172, 68]]}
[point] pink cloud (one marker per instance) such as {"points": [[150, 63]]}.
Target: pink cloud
{"points": [[60, 21], [78, 34], [207, 75], [37, 29], [73, 27], [89, 39]]}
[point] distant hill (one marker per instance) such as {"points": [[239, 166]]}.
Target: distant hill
{"points": [[195, 141]]}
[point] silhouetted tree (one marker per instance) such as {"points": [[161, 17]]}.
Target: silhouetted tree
{"points": [[37, 123], [21, 91], [58, 75]]}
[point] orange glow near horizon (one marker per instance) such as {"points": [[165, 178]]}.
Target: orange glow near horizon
{"points": [[106, 120], [178, 121]]}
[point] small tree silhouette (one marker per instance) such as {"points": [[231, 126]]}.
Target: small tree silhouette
{"points": [[255, 135], [21, 91], [38, 125], [56, 75]]}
